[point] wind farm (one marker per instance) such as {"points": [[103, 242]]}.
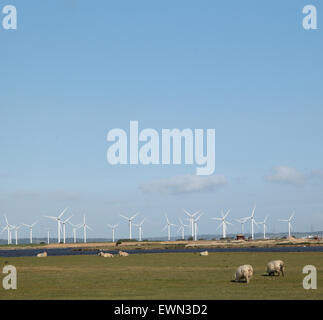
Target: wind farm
{"points": [[249, 228]]}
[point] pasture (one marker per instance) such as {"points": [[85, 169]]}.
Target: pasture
{"points": [[163, 276]]}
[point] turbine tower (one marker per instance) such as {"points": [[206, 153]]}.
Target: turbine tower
{"points": [[75, 227], [289, 224], [168, 226], [130, 223], [191, 219], [113, 227], [16, 228], [253, 222], [58, 219], [64, 228], [140, 228], [8, 227], [30, 226], [264, 226], [195, 226], [223, 223], [85, 226], [182, 228], [242, 221]]}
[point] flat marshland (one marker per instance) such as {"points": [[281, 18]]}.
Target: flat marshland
{"points": [[163, 276]]}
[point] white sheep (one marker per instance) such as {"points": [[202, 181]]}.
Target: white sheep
{"points": [[123, 254], [105, 254], [42, 255], [275, 266], [244, 272], [204, 253]]}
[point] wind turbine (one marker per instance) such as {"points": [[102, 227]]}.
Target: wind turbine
{"points": [[130, 222], [16, 228], [242, 221], [182, 228], [191, 219], [47, 236], [85, 226], [253, 222], [58, 219], [64, 228], [75, 227], [9, 228], [168, 225], [264, 226], [140, 228], [113, 227], [289, 223], [30, 226], [223, 223], [195, 226]]}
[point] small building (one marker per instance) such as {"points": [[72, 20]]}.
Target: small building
{"points": [[240, 237]]}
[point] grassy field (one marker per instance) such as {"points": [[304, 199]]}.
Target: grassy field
{"points": [[160, 276]]}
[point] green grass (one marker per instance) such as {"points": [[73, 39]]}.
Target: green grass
{"points": [[160, 276]]}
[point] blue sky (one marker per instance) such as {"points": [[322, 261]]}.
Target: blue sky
{"points": [[74, 70]]}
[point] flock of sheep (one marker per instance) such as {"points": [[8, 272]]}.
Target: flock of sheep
{"points": [[110, 255], [243, 273]]}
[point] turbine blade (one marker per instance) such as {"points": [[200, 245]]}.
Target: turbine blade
{"points": [[135, 215], [220, 225], [34, 223], [62, 212], [51, 217], [124, 217], [68, 219], [187, 213]]}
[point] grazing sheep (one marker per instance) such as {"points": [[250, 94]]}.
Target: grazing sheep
{"points": [[123, 254], [42, 255], [204, 253], [244, 272], [275, 266]]}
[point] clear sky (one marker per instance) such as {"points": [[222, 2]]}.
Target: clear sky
{"points": [[73, 70]]}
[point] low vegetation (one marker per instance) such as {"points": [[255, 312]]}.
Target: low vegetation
{"points": [[161, 276]]}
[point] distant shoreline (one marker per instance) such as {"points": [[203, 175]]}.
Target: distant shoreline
{"points": [[271, 243]]}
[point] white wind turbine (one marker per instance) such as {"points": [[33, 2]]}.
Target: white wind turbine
{"points": [[223, 223], [74, 228], [130, 223], [85, 226], [289, 224], [253, 222], [182, 228], [8, 227], [113, 228], [168, 226], [58, 219], [140, 228], [264, 226], [30, 226], [195, 226], [16, 228], [242, 221], [191, 219], [64, 228]]}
